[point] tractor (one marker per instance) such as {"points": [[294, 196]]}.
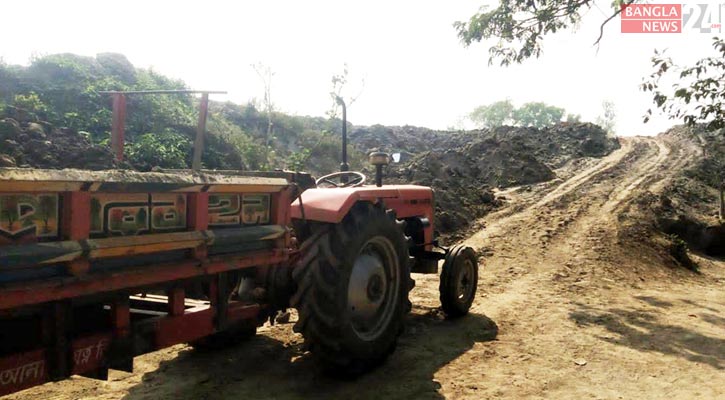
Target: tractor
{"points": [[359, 244], [97, 267]]}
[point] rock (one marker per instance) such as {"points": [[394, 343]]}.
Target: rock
{"points": [[7, 161], [580, 362], [35, 131], [9, 130]]}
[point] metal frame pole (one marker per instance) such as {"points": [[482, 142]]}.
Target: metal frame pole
{"points": [[118, 125], [200, 129]]}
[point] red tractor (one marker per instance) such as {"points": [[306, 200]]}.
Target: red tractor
{"points": [[359, 245], [98, 267]]}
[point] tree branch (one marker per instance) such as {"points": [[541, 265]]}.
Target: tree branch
{"points": [[611, 17]]}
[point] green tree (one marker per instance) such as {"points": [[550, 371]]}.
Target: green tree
{"points": [[608, 119], [571, 118], [537, 114], [30, 102], [519, 26], [697, 94], [495, 114], [167, 150], [296, 161]]}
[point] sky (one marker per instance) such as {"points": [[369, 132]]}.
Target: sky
{"points": [[404, 59]]}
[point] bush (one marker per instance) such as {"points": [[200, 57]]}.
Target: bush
{"points": [[168, 149], [678, 251]]}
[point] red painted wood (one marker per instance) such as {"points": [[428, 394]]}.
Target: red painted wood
{"points": [[239, 311], [41, 292], [90, 353], [198, 218], [23, 370], [186, 328], [176, 301], [76, 223], [121, 318]]}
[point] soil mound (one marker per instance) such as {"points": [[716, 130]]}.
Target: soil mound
{"points": [[38, 144], [465, 166]]}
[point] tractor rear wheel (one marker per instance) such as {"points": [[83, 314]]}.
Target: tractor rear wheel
{"points": [[352, 289]]}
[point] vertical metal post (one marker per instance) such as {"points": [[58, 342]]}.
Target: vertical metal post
{"points": [[344, 166], [118, 125], [200, 129]]}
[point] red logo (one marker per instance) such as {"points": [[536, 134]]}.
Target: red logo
{"points": [[652, 18]]}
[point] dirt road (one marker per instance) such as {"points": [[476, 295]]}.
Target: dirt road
{"points": [[565, 310]]}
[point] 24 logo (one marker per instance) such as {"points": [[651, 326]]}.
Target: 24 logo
{"points": [[703, 18]]}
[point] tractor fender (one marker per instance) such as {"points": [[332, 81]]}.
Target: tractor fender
{"points": [[332, 204]]}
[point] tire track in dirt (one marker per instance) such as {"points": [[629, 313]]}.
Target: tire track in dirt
{"points": [[547, 289]]}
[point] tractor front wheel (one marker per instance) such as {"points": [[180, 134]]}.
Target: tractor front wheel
{"points": [[352, 289], [459, 279]]}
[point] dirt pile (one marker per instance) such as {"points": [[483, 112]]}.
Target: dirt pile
{"points": [[38, 144], [554, 145], [689, 206], [464, 167], [464, 177]]}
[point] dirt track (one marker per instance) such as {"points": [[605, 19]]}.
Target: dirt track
{"points": [[564, 311]]}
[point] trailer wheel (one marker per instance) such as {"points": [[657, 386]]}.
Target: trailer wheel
{"points": [[352, 289], [459, 279]]}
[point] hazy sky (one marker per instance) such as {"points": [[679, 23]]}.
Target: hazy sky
{"points": [[415, 70]]}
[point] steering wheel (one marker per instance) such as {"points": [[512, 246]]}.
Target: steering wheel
{"points": [[357, 179]]}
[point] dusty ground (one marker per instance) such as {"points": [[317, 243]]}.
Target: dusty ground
{"points": [[565, 311]]}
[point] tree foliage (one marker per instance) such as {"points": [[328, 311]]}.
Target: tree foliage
{"points": [[536, 114], [608, 119], [571, 118], [167, 149], [495, 114], [518, 26], [697, 94]]}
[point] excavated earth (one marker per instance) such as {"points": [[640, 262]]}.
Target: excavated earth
{"points": [[38, 144], [577, 299], [467, 168]]}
